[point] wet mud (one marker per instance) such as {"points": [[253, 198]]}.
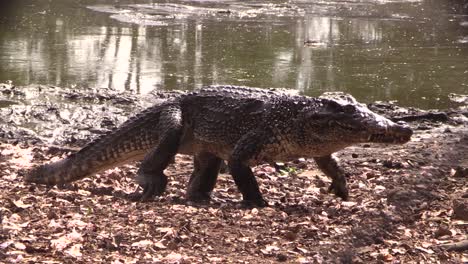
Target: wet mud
{"points": [[408, 203]]}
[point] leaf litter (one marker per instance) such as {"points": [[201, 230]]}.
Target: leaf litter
{"points": [[406, 203]]}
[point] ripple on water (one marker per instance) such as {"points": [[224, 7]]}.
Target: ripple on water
{"points": [[140, 19], [463, 40], [160, 14]]}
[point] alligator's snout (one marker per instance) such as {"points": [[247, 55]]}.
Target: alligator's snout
{"points": [[393, 133], [402, 132]]}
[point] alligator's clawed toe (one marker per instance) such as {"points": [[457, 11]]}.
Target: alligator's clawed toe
{"points": [[339, 190], [198, 202], [198, 197], [149, 191], [135, 196], [152, 185], [254, 203]]}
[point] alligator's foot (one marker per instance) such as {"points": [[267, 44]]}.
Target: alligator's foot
{"points": [[254, 203], [151, 190], [198, 197], [135, 196], [152, 186], [339, 189]]}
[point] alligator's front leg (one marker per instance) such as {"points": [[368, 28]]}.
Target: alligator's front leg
{"points": [[203, 179], [329, 165], [245, 150], [151, 175]]}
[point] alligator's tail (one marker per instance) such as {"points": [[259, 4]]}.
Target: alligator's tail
{"points": [[129, 142]]}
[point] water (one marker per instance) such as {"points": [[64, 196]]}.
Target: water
{"points": [[415, 52]]}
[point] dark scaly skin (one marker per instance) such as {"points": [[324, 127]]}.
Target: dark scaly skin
{"points": [[130, 142], [245, 126]]}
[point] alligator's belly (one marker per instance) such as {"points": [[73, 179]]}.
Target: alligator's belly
{"points": [[224, 151], [193, 147]]}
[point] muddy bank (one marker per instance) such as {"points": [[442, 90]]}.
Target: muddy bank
{"points": [[405, 201]]}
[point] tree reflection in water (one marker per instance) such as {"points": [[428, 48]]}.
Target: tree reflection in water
{"points": [[378, 50]]}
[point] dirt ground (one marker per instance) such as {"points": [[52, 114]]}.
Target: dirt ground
{"points": [[407, 202]]}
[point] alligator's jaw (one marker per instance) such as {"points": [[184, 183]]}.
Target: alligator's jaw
{"points": [[379, 129], [395, 134]]}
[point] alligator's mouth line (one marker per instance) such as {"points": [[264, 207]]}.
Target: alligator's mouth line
{"points": [[385, 138], [346, 126]]}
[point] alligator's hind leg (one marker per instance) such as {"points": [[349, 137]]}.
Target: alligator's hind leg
{"points": [[329, 165], [151, 175], [203, 179]]}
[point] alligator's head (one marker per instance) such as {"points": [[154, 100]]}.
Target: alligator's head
{"points": [[340, 118]]}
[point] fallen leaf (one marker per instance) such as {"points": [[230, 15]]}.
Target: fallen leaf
{"points": [[425, 250], [75, 251], [442, 231], [63, 241], [142, 243], [387, 257], [5, 244], [302, 250], [160, 245], [173, 257], [169, 231], [60, 243], [19, 246], [20, 204], [75, 236], [399, 250], [348, 204], [269, 249]]}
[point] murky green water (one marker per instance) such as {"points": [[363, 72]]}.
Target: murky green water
{"points": [[415, 52]]}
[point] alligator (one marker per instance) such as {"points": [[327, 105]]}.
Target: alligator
{"points": [[241, 125]]}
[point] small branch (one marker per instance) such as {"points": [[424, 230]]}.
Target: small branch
{"points": [[457, 246]]}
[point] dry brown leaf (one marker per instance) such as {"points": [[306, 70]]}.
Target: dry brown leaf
{"points": [[160, 245], [269, 249], [60, 243], [168, 231], [425, 250], [74, 251], [19, 245], [348, 204], [77, 223], [65, 240], [399, 250], [142, 243], [75, 236], [54, 224], [174, 257], [386, 257], [302, 250]]}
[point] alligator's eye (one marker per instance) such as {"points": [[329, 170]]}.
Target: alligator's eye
{"points": [[334, 105], [349, 109]]}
